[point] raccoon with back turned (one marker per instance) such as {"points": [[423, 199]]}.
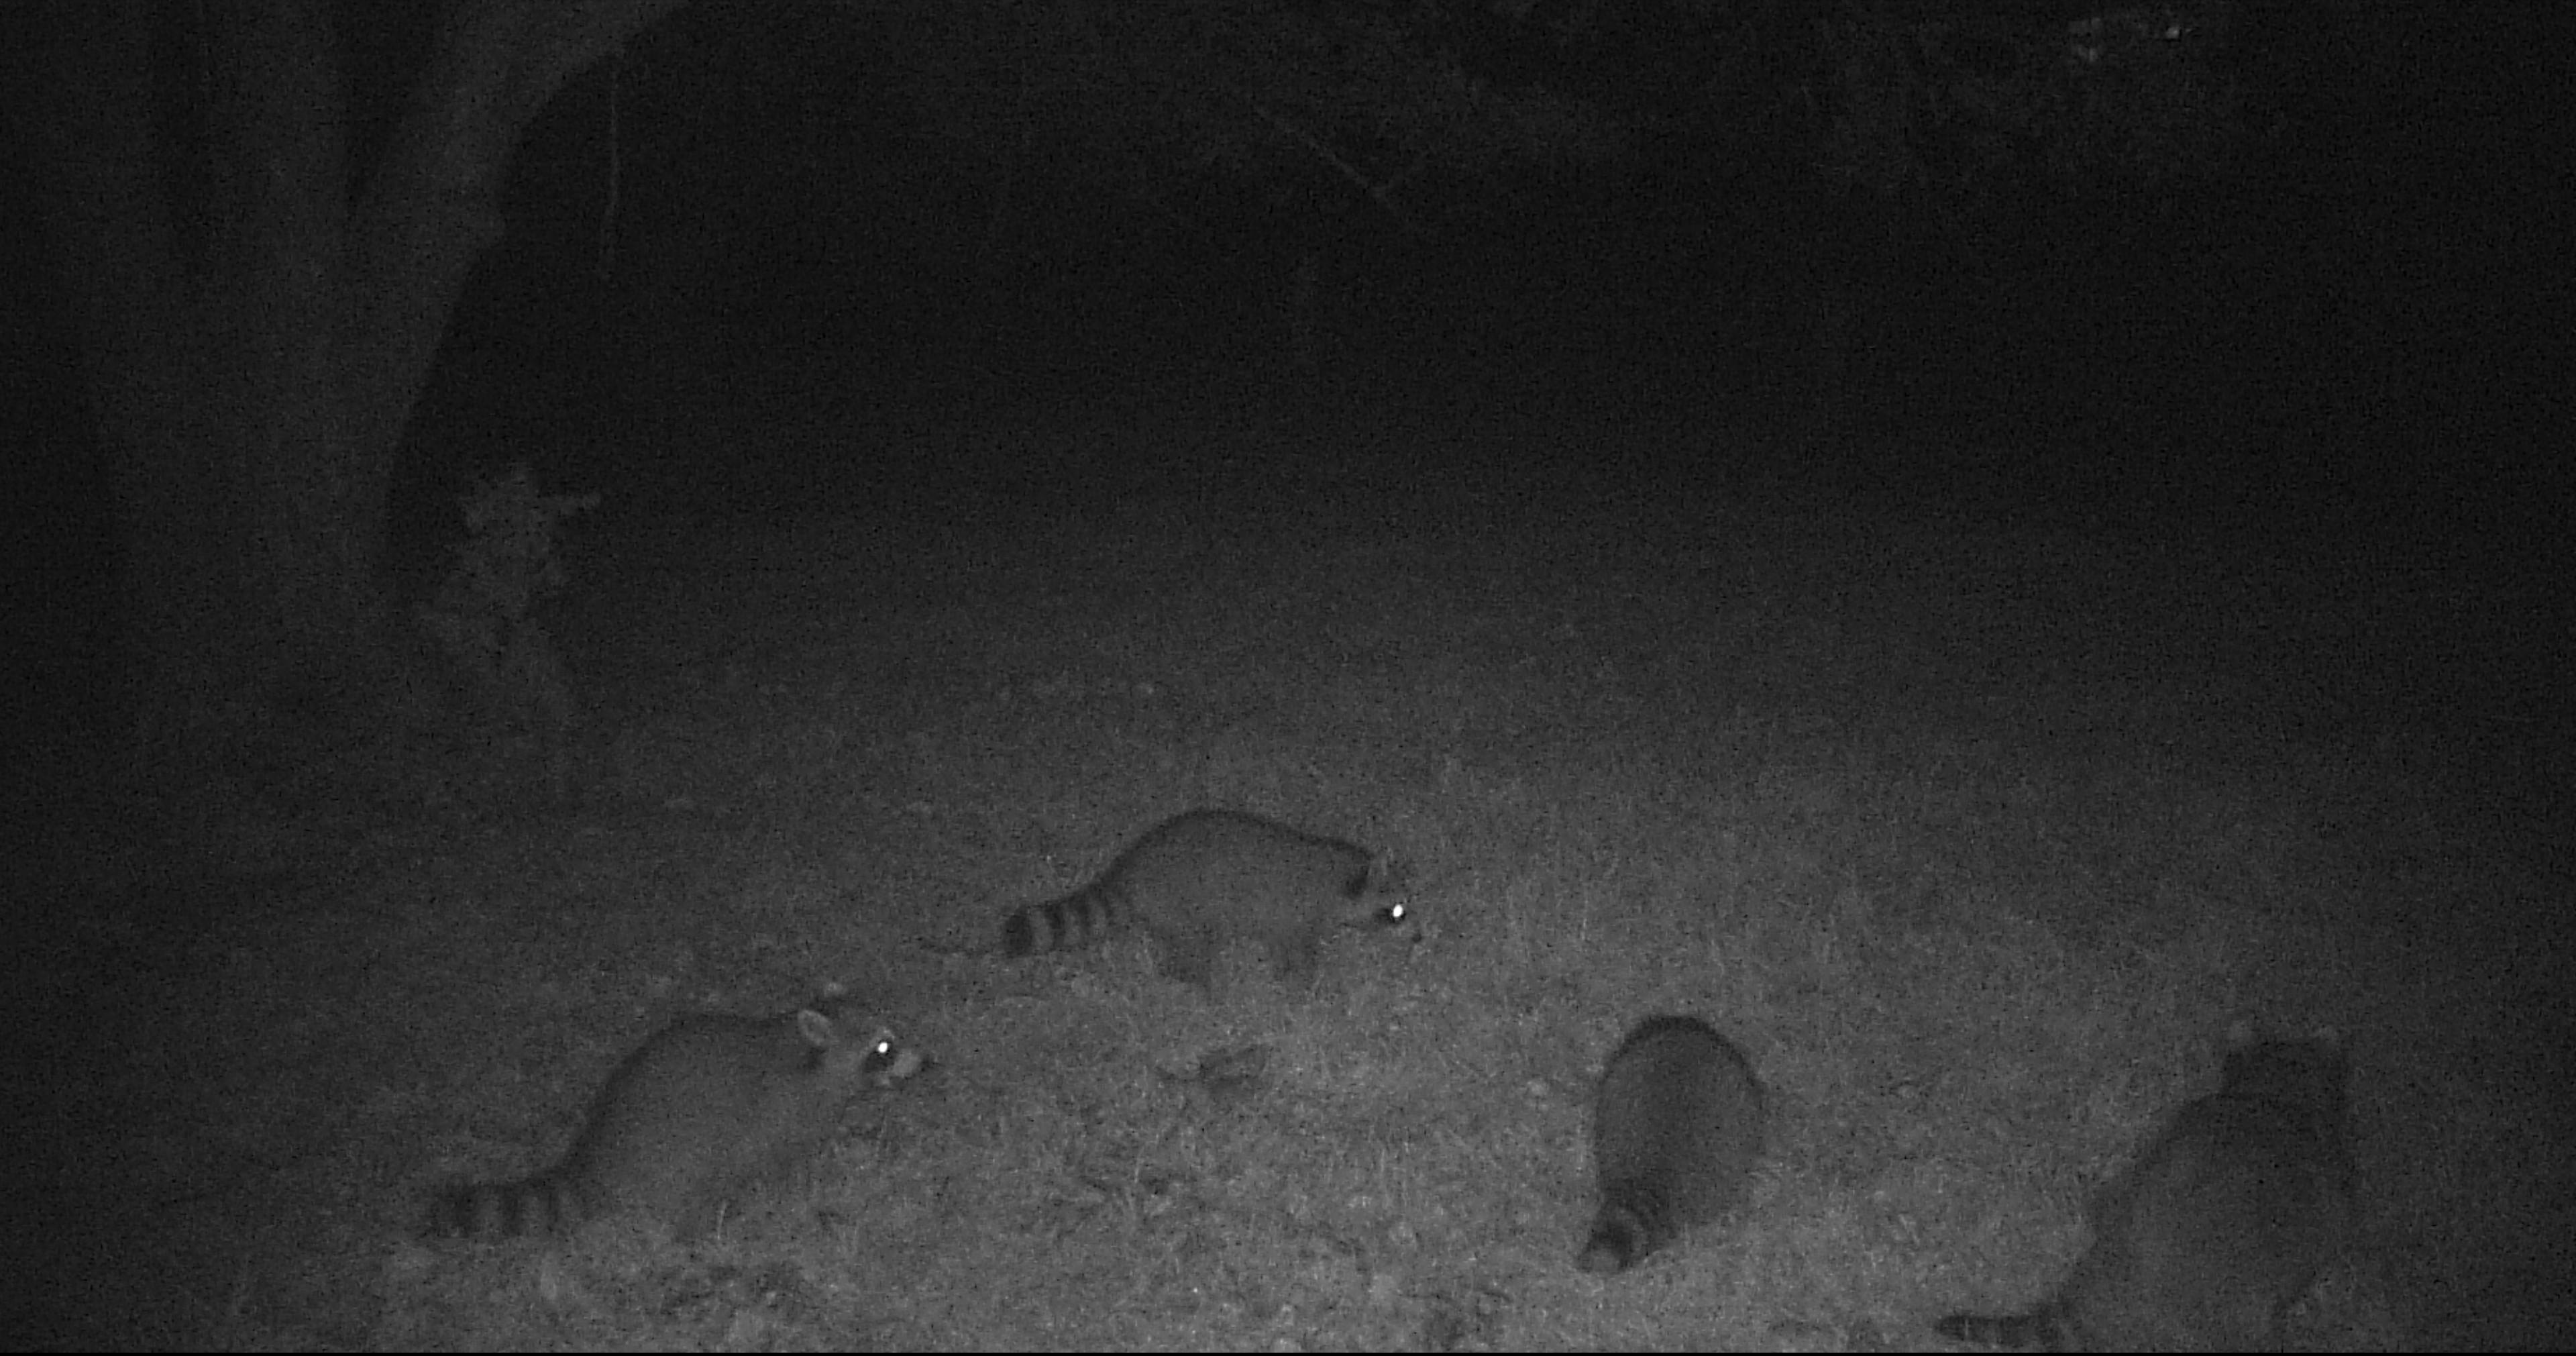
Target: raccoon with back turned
{"points": [[1199, 880], [700, 1112], [2222, 1223], [1677, 1125]]}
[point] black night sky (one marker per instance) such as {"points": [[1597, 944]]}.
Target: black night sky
{"points": [[2346, 333]]}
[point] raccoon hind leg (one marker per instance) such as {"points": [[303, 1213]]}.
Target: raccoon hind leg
{"points": [[1186, 952], [1293, 957]]}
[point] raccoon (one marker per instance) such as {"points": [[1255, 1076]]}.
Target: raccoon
{"points": [[2220, 1225], [1198, 880], [1676, 1128], [699, 1112]]}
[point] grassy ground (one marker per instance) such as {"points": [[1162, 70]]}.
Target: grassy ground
{"points": [[1975, 836]]}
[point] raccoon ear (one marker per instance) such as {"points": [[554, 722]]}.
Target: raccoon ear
{"points": [[817, 1029]]}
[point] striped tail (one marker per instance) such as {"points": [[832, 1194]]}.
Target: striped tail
{"points": [[1078, 919], [1622, 1234], [491, 1211], [2037, 1330]]}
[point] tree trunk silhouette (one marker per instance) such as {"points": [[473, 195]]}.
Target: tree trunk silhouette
{"points": [[254, 333]]}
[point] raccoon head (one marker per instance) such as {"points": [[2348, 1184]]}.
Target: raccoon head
{"points": [[1385, 893], [876, 1061], [1396, 918]]}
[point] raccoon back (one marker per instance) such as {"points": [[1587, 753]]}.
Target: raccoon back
{"points": [[2220, 1225], [1200, 879], [1677, 1127], [697, 1113]]}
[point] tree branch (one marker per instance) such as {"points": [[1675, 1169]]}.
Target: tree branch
{"points": [[1376, 193]]}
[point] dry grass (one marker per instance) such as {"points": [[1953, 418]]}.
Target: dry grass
{"points": [[1975, 844]]}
